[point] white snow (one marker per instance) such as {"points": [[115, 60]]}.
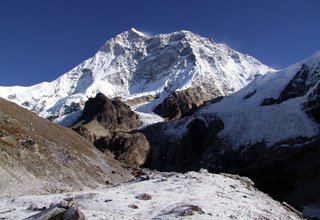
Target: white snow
{"points": [[218, 196], [148, 119], [133, 64], [247, 122]]}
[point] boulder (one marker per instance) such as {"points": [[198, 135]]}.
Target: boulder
{"points": [[52, 213], [73, 213], [143, 196], [65, 210]]}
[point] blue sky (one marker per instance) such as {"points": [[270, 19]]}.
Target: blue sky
{"points": [[42, 39]]}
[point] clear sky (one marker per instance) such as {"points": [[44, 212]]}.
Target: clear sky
{"points": [[42, 39]]}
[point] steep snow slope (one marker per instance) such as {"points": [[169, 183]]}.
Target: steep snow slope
{"points": [[270, 108], [196, 196], [134, 65]]}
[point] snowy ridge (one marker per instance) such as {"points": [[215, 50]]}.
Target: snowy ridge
{"points": [[196, 196], [132, 65], [247, 121]]}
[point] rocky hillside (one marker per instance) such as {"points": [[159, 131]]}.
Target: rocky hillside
{"points": [[38, 156], [143, 71]]}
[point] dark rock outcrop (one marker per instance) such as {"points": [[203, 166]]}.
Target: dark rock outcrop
{"points": [[108, 124], [183, 103], [176, 105], [180, 152], [250, 94], [298, 86], [130, 148], [112, 114]]}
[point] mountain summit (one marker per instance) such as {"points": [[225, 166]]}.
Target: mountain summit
{"points": [[143, 71]]}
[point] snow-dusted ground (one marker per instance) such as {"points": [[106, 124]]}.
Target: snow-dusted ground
{"points": [[132, 65], [247, 122], [184, 196]]}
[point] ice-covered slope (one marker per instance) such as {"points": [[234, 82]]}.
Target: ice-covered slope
{"points": [[196, 196], [134, 65], [271, 109]]}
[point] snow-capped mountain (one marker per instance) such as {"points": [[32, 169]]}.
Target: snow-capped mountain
{"points": [[272, 107], [133, 65]]}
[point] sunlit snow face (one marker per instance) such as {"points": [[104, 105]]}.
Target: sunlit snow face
{"points": [[135, 65]]}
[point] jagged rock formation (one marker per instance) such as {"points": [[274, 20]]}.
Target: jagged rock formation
{"points": [[182, 103], [299, 85], [38, 156], [107, 124], [113, 115], [176, 105], [134, 66]]}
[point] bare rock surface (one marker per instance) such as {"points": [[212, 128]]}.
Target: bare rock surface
{"points": [[131, 148], [183, 103], [108, 124], [112, 114]]}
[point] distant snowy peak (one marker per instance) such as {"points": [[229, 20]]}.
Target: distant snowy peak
{"points": [[133, 65]]}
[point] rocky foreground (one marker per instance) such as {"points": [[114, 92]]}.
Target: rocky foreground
{"points": [[194, 195]]}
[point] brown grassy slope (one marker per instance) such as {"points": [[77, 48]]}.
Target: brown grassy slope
{"points": [[37, 156]]}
